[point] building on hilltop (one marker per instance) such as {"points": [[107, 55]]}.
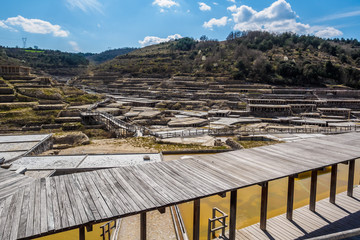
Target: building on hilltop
{"points": [[14, 70]]}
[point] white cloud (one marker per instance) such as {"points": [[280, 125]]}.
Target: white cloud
{"points": [[232, 8], [233, 1], [340, 15], [328, 32], [85, 5], [151, 40], [36, 26], [204, 7], [165, 3], [215, 3], [215, 22], [279, 17], [3, 25], [75, 46]]}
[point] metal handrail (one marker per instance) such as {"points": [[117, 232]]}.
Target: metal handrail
{"points": [[106, 229], [212, 223]]}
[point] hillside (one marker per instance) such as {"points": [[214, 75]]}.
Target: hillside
{"points": [[285, 59], [102, 57], [49, 61], [57, 62]]}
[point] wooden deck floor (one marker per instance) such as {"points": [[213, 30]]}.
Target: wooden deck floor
{"points": [[328, 218]]}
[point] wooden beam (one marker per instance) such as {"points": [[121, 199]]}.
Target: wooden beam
{"points": [[350, 189], [313, 190], [82, 233], [264, 200], [196, 222], [222, 195], [232, 220], [290, 198], [333, 183], [143, 226], [162, 210]]}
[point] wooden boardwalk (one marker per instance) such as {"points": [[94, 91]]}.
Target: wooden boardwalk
{"points": [[328, 218], [10, 182], [49, 205]]}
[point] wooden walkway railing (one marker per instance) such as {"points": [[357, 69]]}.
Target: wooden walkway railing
{"points": [[254, 131]]}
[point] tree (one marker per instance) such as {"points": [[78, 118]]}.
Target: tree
{"points": [[185, 44], [204, 38]]}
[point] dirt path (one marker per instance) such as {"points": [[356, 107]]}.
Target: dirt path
{"points": [[103, 146]]}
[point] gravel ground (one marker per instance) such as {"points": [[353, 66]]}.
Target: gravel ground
{"points": [[159, 227]]}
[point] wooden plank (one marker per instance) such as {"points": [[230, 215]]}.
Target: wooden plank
{"points": [[37, 210], [264, 202], [290, 198], [30, 213], [15, 219], [333, 181], [197, 175], [229, 179], [62, 206], [196, 220], [76, 209], [121, 193], [82, 204], [55, 203], [68, 213], [24, 213], [98, 201], [139, 187], [49, 205], [117, 201], [232, 220], [187, 177], [313, 186], [4, 215], [128, 190], [175, 181], [106, 199], [161, 196], [43, 204], [350, 187], [92, 211], [159, 184], [143, 226], [5, 230]]}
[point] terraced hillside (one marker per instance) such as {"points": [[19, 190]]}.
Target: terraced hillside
{"points": [[31, 103], [285, 59]]}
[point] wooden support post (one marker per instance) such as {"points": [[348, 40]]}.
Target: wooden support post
{"points": [[143, 226], [350, 189], [82, 233], [196, 222], [264, 200], [333, 183], [313, 190], [232, 220], [290, 198]]}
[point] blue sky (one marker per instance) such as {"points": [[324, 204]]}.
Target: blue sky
{"points": [[97, 25]]}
